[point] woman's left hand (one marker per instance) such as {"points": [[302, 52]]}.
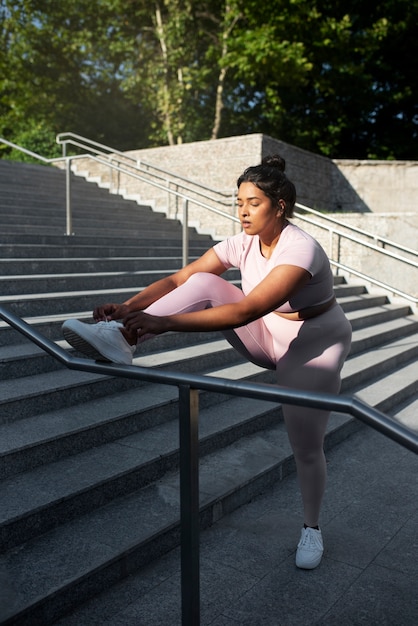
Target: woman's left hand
{"points": [[143, 323]]}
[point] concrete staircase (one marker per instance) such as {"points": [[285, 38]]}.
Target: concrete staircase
{"points": [[89, 463]]}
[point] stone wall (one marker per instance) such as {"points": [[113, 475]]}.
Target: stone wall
{"points": [[219, 163], [382, 186], [330, 185]]}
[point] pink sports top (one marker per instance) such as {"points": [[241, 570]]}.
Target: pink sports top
{"points": [[295, 247]]}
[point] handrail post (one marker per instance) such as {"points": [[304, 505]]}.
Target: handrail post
{"points": [[189, 504], [69, 224], [185, 237]]}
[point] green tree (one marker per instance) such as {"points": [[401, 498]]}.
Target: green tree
{"points": [[178, 65], [333, 78], [356, 94], [61, 65]]}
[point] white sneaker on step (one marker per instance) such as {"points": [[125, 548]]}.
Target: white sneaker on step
{"points": [[310, 549], [102, 341]]}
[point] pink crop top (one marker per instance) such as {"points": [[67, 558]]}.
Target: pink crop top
{"points": [[295, 247]]}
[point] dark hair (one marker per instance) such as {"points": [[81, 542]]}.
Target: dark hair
{"points": [[269, 176]]}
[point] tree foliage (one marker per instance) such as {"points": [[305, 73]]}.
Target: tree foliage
{"points": [[335, 78]]}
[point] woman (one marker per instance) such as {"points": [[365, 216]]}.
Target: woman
{"points": [[285, 318]]}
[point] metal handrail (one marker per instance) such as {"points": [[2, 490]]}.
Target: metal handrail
{"points": [[366, 244], [355, 229], [374, 281], [188, 384], [178, 194], [139, 176], [163, 173], [35, 155]]}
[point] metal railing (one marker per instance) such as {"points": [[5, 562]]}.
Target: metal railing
{"points": [[184, 196], [189, 192], [339, 235], [171, 182], [115, 156], [220, 197], [377, 240], [188, 386]]}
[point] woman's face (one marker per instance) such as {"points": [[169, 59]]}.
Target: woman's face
{"points": [[257, 213]]}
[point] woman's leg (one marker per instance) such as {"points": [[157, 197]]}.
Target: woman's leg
{"points": [[306, 430], [313, 353], [110, 342], [204, 290]]}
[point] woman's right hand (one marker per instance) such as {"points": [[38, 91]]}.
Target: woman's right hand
{"points": [[110, 311]]}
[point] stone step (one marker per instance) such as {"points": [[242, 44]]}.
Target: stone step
{"points": [[150, 248], [407, 413], [13, 172], [363, 300], [50, 324], [378, 364], [379, 332], [35, 266], [399, 386], [74, 241], [90, 214], [87, 242], [74, 282], [59, 433], [86, 223], [46, 182], [123, 279], [364, 317], [101, 230], [55, 191], [85, 200], [29, 305]]}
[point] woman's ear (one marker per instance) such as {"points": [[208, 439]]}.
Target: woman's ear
{"points": [[281, 206]]}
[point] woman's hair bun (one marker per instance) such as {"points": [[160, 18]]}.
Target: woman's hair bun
{"points": [[275, 160], [269, 176]]}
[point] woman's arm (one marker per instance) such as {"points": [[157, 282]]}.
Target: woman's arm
{"points": [[208, 262], [280, 284]]}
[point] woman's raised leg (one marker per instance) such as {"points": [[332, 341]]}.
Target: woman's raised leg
{"points": [[204, 290]]}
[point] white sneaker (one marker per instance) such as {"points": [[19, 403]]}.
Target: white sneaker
{"points": [[102, 341], [310, 549]]}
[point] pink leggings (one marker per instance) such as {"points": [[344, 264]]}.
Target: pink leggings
{"points": [[306, 355]]}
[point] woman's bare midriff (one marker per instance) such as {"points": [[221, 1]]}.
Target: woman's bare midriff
{"points": [[309, 312]]}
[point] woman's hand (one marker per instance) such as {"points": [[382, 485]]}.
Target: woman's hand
{"points": [[110, 311], [143, 323]]}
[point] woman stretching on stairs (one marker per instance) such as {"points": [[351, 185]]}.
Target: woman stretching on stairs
{"points": [[285, 318]]}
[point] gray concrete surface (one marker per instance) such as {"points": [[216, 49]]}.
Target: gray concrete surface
{"points": [[368, 574]]}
